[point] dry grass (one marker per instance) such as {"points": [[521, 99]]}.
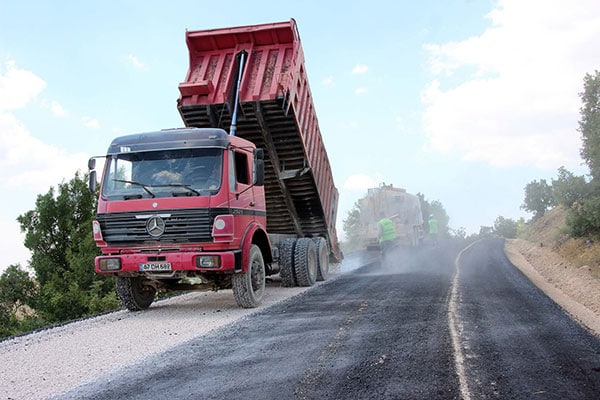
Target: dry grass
{"points": [[550, 231]]}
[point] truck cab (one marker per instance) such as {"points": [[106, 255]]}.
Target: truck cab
{"points": [[182, 205]]}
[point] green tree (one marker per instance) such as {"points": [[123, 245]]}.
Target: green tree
{"points": [[589, 124], [16, 287], [460, 233], [353, 228], [58, 233], [506, 227], [486, 230], [17, 291], [584, 217], [538, 198], [436, 209], [568, 188], [439, 212]]}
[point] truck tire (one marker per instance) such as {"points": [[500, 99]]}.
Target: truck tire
{"points": [[133, 294], [322, 258], [305, 262], [286, 263], [249, 287]]}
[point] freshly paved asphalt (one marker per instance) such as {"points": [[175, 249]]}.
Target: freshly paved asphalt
{"points": [[445, 322]]}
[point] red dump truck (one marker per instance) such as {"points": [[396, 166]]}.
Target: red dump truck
{"points": [[243, 192]]}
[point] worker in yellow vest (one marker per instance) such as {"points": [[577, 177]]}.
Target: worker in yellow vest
{"points": [[433, 229], [387, 235]]}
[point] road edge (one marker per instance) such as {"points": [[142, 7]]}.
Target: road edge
{"points": [[576, 310]]}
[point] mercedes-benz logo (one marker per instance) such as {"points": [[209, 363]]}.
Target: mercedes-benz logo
{"points": [[155, 226]]}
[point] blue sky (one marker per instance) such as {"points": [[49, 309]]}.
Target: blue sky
{"points": [[465, 101]]}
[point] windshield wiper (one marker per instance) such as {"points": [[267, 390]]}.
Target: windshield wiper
{"points": [[145, 187], [188, 187], [136, 196]]}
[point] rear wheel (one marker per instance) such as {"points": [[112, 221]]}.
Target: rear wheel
{"points": [[133, 294], [286, 262], [322, 258], [305, 262], [249, 287]]}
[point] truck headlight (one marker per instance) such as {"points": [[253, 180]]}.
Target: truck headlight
{"points": [[223, 228], [208, 262], [109, 264]]}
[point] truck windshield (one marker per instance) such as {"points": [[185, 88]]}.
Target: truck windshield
{"points": [[165, 173]]}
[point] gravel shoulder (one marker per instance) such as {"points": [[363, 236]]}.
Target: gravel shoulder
{"points": [[47, 363], [576, 290]]}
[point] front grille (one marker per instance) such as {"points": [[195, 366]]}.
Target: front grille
{"points": [[182, 226]]}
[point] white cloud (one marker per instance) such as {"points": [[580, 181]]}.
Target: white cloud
{"points": [[11, 246], [362, 182], [360, 69], [27, 162], [518, 104], [361, 90], [18, 86], [55, 108], [133, 60], [328, 81], [90, 122], [28, 166]]}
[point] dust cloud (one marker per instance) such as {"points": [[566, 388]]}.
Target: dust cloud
{"points": [[401, 259]]}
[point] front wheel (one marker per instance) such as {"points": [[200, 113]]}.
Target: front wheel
{"points": [[249, 287], [133, 294]]}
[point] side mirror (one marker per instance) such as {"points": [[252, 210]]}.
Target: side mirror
{"points": [[259, 167], [91, 163], [92, 181]]}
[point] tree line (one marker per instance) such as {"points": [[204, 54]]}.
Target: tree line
{"points": [[64, 285], [579, 194]]}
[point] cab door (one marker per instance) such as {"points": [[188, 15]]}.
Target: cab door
{"points": [[242, 201]]}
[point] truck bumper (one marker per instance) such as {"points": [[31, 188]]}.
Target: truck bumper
{"points": [[226, 261]]}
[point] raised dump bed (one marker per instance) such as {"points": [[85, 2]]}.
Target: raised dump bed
{"points": [[276, 112]]}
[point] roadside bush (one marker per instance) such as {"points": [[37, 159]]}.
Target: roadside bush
{"points": [[568, 188], [584, 218], [506, 227]]}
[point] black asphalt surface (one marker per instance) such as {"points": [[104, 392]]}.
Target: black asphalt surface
{"points": [[521, 344], [383, 332]]}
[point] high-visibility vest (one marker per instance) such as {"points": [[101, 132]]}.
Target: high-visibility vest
{"points": [[433, 226], [388, 232]]}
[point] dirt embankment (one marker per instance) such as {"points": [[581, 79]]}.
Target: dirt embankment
{"points": [[575, 289]]}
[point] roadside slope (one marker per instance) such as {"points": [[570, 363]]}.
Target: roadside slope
{"points": [[575, 288]]}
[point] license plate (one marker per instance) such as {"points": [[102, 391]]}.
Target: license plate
{"points": [[155, 267]]}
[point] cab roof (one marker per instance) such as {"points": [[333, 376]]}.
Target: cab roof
{"points": [[170, 139]]}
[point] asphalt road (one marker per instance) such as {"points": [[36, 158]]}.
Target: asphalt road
{"points": [[447, 322]]}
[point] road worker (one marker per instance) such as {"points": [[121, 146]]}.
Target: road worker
{"points": [[387, 235], [433, 229]]}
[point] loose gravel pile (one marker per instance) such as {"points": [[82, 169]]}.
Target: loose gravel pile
{"points": [[48, 363]]}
